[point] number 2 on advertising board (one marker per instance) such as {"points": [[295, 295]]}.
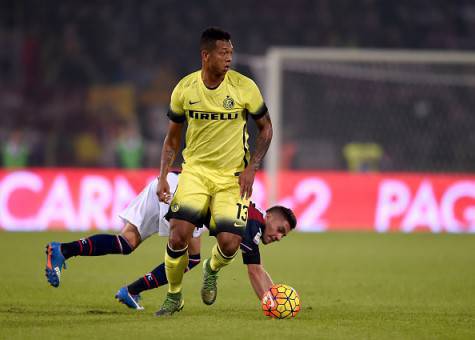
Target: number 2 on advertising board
{"points": [[311, 217]]}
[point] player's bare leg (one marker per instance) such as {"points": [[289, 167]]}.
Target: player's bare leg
{"points": [[131, 233], [223, 253]]}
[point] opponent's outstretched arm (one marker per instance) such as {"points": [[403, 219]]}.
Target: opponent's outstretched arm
{"points": [[259, 278]]}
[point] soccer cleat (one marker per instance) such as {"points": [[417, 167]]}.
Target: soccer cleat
{"points": [[55, 262], [173, 303], [130, 300], [209, 290]]}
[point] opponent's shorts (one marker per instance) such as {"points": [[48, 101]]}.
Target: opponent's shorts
{"points": [[147, 213], [200, 189]]}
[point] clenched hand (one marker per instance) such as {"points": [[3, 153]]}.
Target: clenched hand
{"points": [[246, 179], [163, 190]]}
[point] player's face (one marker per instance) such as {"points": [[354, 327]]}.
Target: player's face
{"points": [[276, 228], [219, 59]]}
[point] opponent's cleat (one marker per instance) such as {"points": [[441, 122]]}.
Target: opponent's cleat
{"points": [[55, 262], [173, 303], [209, 290], [130, 300]]}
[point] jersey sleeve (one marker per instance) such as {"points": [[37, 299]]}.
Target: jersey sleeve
{"points": [[252, 257], [176, 112], [254, 102]]}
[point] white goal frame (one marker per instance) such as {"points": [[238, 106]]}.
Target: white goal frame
{"points": [[273, 63]]}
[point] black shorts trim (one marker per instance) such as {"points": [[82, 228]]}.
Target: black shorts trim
{"points": [[196, 218], [228, 228]]}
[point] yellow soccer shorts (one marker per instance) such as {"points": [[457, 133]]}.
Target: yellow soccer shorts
{"points": [[201, 190]]}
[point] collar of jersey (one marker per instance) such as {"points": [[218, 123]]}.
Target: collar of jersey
{"points": [[215, 91]]}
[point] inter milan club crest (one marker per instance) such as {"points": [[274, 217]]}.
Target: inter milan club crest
{"points": [[228, 103]]}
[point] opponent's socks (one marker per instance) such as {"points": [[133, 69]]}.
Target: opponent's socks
{"points": [[175, 265], [218, 259], [96, 245], [158, 277], [193, 261]]}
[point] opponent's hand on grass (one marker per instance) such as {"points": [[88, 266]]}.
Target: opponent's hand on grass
{"points": [[267, 299]]}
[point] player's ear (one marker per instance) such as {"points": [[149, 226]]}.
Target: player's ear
{"points": [[204, 54]]}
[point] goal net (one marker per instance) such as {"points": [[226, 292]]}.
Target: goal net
{"points": [[387, 110]]}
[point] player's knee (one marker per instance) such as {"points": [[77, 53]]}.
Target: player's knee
{"points": [[229, 249], [229, 243], [131, 235], [177, 243], [125, 246], [129, 244], [178, 239]]}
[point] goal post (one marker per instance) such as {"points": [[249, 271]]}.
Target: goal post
{"points": [[293, 78]]}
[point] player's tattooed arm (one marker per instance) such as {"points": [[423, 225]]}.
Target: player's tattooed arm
{"points": [[263, 140], [169, 157], [170, 149], [264, 137]]}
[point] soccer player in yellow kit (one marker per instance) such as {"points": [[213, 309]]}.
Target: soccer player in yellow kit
{"points": [[218, 170]]}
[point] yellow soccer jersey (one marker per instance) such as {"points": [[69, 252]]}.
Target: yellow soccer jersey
{"points": [[217, 135]]}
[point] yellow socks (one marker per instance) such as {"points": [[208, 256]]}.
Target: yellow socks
{"points": [[175, 265], [218, 259]]}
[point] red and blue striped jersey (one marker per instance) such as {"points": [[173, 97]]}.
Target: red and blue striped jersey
{"points": [[252, 236]]}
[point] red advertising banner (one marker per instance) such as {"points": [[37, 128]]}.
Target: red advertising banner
{"points": [[85, 199]]}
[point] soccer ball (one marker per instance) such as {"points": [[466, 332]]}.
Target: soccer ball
{"points": [[281, 302]]}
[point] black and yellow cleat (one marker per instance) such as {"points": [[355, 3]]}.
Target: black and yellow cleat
{"points": [[209, 290], [173, 303]]}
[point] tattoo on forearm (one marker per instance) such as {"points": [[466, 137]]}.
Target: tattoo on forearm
{"points": [[262, 144], [170, 157]]}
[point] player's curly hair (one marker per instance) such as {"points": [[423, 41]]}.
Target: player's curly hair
{"points": [[286, 213], [211, 35]]}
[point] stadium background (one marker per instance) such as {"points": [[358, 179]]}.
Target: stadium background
{"points": [[84, 87], [87, 85]]}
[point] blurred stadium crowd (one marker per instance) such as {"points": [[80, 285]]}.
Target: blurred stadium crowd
{"points": [[88, 83]]}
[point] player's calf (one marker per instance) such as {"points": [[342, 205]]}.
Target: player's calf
{"points": [[158, 277], [96, 245]]}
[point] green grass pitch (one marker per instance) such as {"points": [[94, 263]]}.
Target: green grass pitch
{"points": [[352, 286]]}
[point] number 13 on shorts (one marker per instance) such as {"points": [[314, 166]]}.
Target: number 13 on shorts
{"points": [[242, 209]]}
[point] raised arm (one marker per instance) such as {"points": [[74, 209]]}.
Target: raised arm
{"points": [[170, 149], [264, 137], [259, 278]]}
